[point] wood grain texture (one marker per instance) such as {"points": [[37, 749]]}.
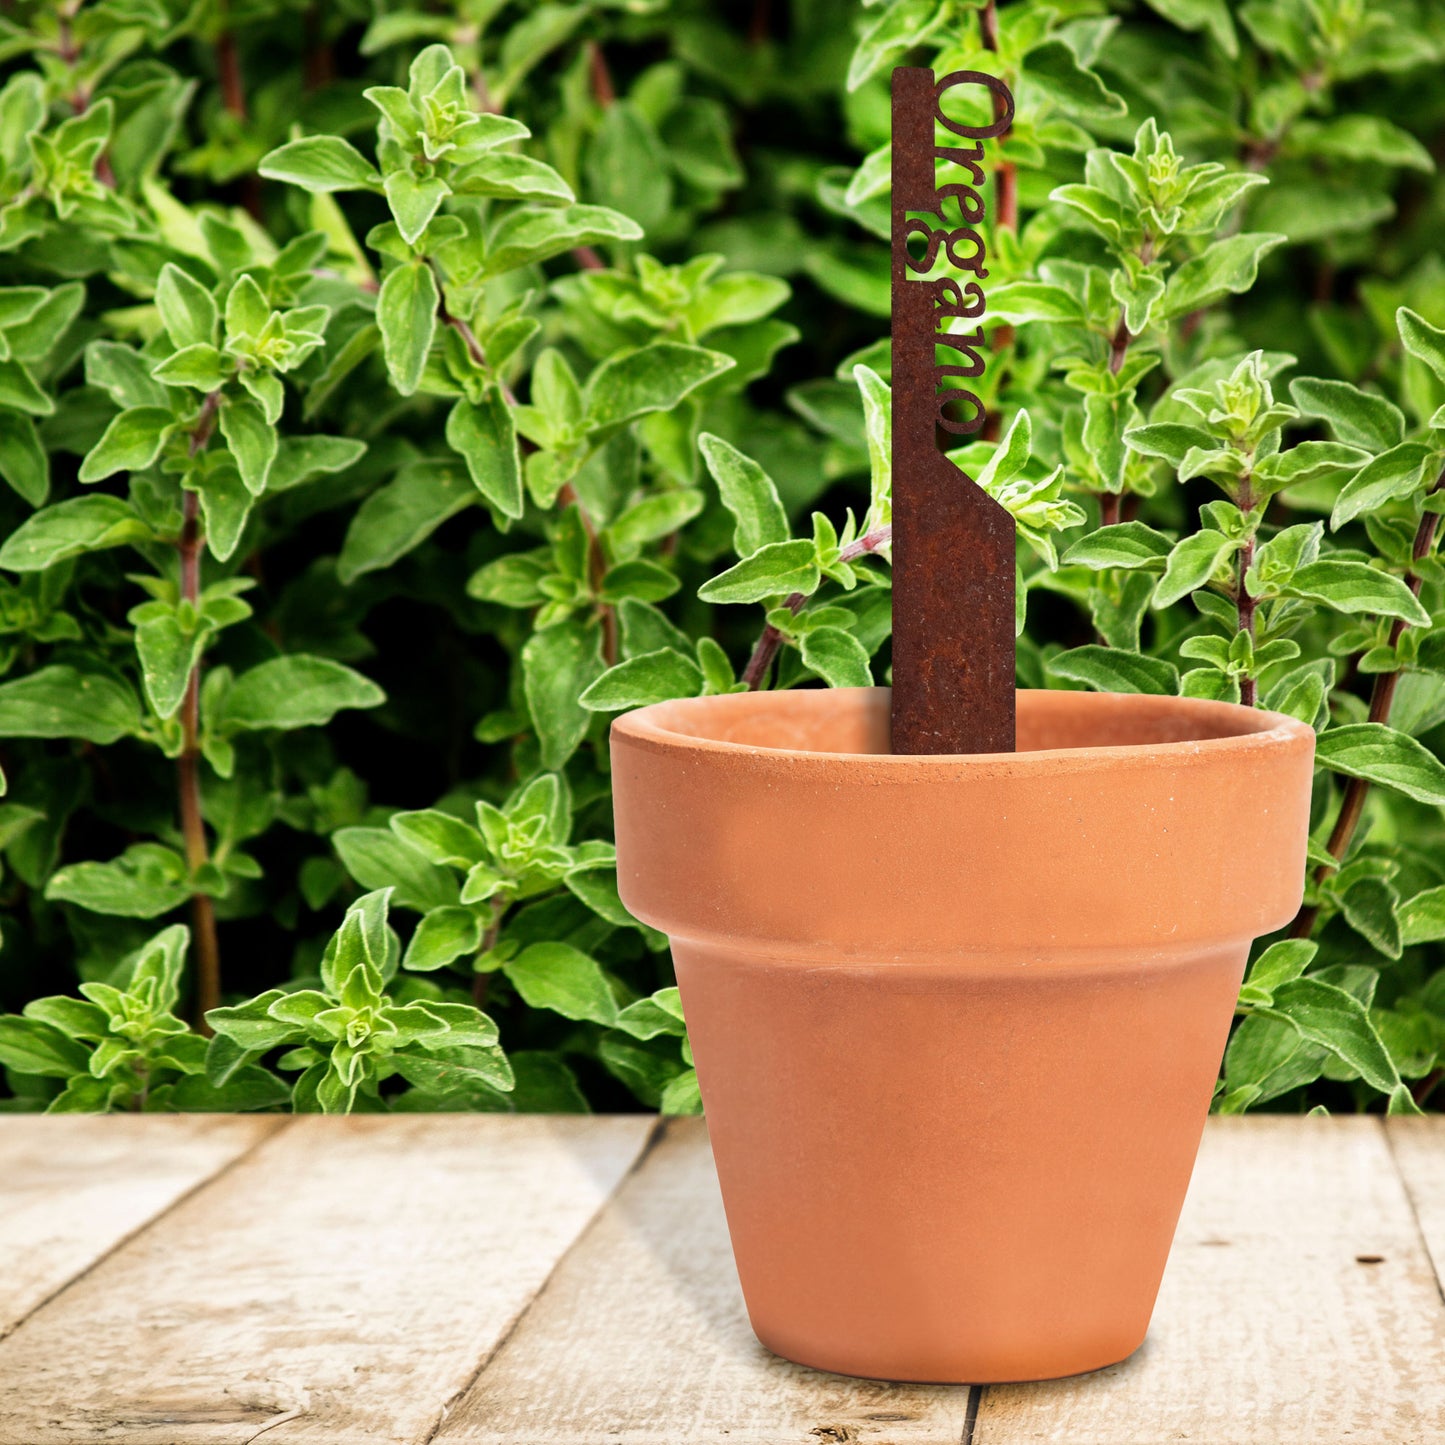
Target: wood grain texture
{"points": [[339, 1285], [1419, 1149], [73, 1187], [1299, 1308], [640, 1338]]}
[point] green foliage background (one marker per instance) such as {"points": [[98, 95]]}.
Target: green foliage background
{"points": [[389, 394]]}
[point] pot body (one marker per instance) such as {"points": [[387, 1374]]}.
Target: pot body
{"points": [[957, 1020]]}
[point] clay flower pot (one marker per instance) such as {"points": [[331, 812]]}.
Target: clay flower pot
{"points": [[957, 1020]]}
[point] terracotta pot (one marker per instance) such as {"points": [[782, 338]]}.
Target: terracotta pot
{"points": [[957, 1020]]}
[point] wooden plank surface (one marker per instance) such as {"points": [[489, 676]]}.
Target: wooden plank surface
{"points": [[73, 1187], [343, 1281], [339, 1285], [1419, 1149], [641, 1339], [1299, 1308]]}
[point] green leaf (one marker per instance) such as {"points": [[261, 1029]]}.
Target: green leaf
{"points": [[649, 1017], [62, 702], [1371, 908], [653, 378], [558, 977], [144, 882], [1355, 416], [772, 571], [226, 505], [252, 440], [18, 390], [1338, 1021], [558, 665], [443, 936], [414, 200], [747, 491], [1111, 669], [1422, 918], [188, 310], [24, 461], [627, 166], [1399, 472], [440, 838], [656, 516], [406, 313], [130, 443], [296, 692], [836, 656], [168, 653], [200, 367], [1227, 266], [302, 458], [1055, 70], [1279, 963], [1020, 302], [486, 437], [403, 514], [1210, 16], [69, 529], [31, 1047], [650, 677], [320, 163], [1380, 754], [528, 236], [512, 177], [376, 858], [681, 1095], [1422, 340], [1127, 545], [1192, 563], [1357, 587]]}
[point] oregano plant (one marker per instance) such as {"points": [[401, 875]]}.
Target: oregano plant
{"points": [[391, 395]]}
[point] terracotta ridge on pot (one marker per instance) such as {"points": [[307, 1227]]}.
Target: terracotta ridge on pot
{"points": [[957, 1020]]}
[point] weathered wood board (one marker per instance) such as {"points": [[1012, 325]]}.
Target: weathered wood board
{"points": [[73, 1187], [1299, 1308], [641, 1338], [339, 1285]]}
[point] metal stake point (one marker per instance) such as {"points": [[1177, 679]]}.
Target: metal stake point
{"points": [[953, 545]]}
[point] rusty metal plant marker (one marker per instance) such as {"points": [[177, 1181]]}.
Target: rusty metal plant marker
{"points": [[953, 545]]}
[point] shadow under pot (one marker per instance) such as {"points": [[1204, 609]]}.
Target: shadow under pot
{"points": [[957, 1020]]}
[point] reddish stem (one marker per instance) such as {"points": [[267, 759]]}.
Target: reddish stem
{"points": [[766, 649], [1382, 699], [604, 92], [596, 571], [193, 827], [1244, 603]]}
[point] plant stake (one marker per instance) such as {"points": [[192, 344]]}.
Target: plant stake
{"points": [[953, 545]]}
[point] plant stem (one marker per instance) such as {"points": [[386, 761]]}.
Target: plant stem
{"points": [[228, 73], [766, 648], [604, 92], [1005, 178], [1111, 502], [233, 97], [1382, 699], [188, 765], [481, 982], [1245, 604], [596, 571]]}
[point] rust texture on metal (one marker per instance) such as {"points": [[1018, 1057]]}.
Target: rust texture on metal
{"points": [[953, 545]]}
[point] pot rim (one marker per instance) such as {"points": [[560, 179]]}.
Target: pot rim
{"points": [[1253, 730]]}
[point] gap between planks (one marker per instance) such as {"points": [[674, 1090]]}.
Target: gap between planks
{"points": [[655, 1134]]}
